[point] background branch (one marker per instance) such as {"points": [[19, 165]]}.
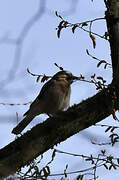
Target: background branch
{"points": [[19, 42]]}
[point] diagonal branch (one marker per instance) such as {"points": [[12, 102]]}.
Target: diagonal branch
{"points": [[56, 129], [65, 124]]}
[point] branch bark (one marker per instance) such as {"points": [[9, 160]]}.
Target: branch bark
{"points": [[112, 19], [65, 124]]}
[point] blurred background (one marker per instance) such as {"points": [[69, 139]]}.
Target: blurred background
{"points": [[28, 39]]}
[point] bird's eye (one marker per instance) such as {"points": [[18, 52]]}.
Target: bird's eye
{"points": [[69, 78]]}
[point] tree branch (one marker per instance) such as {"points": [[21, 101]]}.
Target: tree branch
{"points": [[65, 124], [112, 19], [56, 129]]}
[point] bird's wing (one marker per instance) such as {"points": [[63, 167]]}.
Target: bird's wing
{"points": [[45, 90]]}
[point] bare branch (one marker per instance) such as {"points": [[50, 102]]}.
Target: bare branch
{"points": [[15, 104], [81, 25], [60, 127], [99, 60]]}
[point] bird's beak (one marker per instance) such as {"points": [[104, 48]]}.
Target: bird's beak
{"points": [[75, 78]]}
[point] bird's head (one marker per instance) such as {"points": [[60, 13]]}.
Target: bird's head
{"points": [[65, 76]]}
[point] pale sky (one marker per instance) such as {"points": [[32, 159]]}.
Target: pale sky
{"points": [[40, 49]]}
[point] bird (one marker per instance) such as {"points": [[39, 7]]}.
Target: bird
{"points": [[53, 97]]}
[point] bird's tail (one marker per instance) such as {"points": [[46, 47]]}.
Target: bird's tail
{"points": [[21, 126]]}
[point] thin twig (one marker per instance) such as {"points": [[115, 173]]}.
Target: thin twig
{"points": [[16, 104]]}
